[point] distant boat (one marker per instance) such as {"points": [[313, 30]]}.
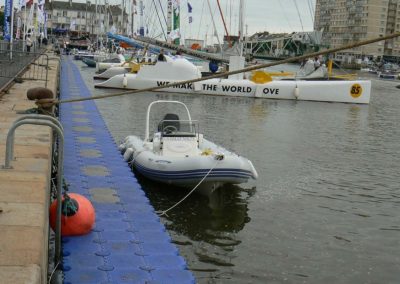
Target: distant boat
{"points": [[178, 154], [389, 75], [89, 62]]}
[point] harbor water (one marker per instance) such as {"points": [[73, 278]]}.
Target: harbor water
{"points": [[326, 206]]}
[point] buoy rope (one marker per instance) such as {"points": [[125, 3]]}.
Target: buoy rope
{"points": [[164, 212], [247, 69], [52, 273], [68, 206]]}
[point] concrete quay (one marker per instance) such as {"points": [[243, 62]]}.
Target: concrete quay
{"points": [[24, 189]]}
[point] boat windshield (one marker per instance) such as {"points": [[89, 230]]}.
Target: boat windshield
{"points": [[178, 128]]}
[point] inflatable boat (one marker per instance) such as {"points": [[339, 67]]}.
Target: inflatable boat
{"points": [[178, 155]]}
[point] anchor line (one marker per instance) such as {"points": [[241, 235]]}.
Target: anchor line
{"points": [[164, 212], [247, 69]]}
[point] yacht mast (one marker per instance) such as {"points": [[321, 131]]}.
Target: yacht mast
{"points": [[96, 22], [241, 27], [122, 16], [132, 17]]}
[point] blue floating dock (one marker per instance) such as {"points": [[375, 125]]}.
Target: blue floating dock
{"points": [[129, 244]]}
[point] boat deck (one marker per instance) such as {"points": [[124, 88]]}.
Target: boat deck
{"points": [[129, 244]]}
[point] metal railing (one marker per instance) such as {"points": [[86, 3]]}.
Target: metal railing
{"points": [[36, 119], [15, 60]]}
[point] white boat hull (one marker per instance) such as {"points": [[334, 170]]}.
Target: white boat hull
{"points": [[101, 66], [113, 71], [357, 91], [388, 76]]}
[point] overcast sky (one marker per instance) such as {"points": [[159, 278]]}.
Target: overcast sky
{"points": [[260, 15]]}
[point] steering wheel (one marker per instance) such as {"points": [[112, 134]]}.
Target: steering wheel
{"points": [[169, 129]]}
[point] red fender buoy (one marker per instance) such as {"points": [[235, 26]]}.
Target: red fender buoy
{"points": [[77, 216]]}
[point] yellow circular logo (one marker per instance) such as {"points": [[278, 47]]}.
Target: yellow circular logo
{"points": [[356, 90]]}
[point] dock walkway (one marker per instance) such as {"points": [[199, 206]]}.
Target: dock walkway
{"points": [[25, 189], [129, 244]]}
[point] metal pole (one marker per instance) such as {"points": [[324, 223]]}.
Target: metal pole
{"points": [[25, 30], [96, 19], [132, 17], [12, 30], [122, 16]]}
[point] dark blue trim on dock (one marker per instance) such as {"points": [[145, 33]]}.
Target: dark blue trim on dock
{"points": [[129, 244]]}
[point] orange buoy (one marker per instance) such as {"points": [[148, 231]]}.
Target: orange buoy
{"points": [[77, 215]]}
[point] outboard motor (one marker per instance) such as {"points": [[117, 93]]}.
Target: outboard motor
{"points": [[169, 123]]}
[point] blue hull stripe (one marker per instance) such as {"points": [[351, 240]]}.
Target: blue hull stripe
{"points": [[193, 174]]}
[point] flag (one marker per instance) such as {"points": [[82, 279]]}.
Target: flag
{"points": [[40, 15], [45, 24], [175, 4], [175, 34], [190, 12], [72, 25], [18, 28], [8, 6], [21, 3], [30, 19]]}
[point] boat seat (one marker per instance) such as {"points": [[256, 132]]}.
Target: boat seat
{"points": [[169, 123]]}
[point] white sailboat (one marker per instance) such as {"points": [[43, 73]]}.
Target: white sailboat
{"points": [[179, 69]]}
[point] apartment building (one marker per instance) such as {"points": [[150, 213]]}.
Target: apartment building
{"points": [[346, 21], [82, 17]]}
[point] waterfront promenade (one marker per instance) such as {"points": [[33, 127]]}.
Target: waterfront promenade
{"points": [[24, 190]]}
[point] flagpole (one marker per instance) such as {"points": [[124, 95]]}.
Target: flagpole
{"points": [[12, 30], [24, 37]]}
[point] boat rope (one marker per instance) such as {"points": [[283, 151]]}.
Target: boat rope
{"points": [[162, 11], [311, 11], [159, 20], [164, 212], [201, 19], [224, 74], [298, 13], [52, 273], [284, 13]]}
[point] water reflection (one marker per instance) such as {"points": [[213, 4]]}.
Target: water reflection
{"points": [[209, 224]]}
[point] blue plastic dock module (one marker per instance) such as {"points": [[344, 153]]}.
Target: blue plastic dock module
{"points": [[129, 244]]}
